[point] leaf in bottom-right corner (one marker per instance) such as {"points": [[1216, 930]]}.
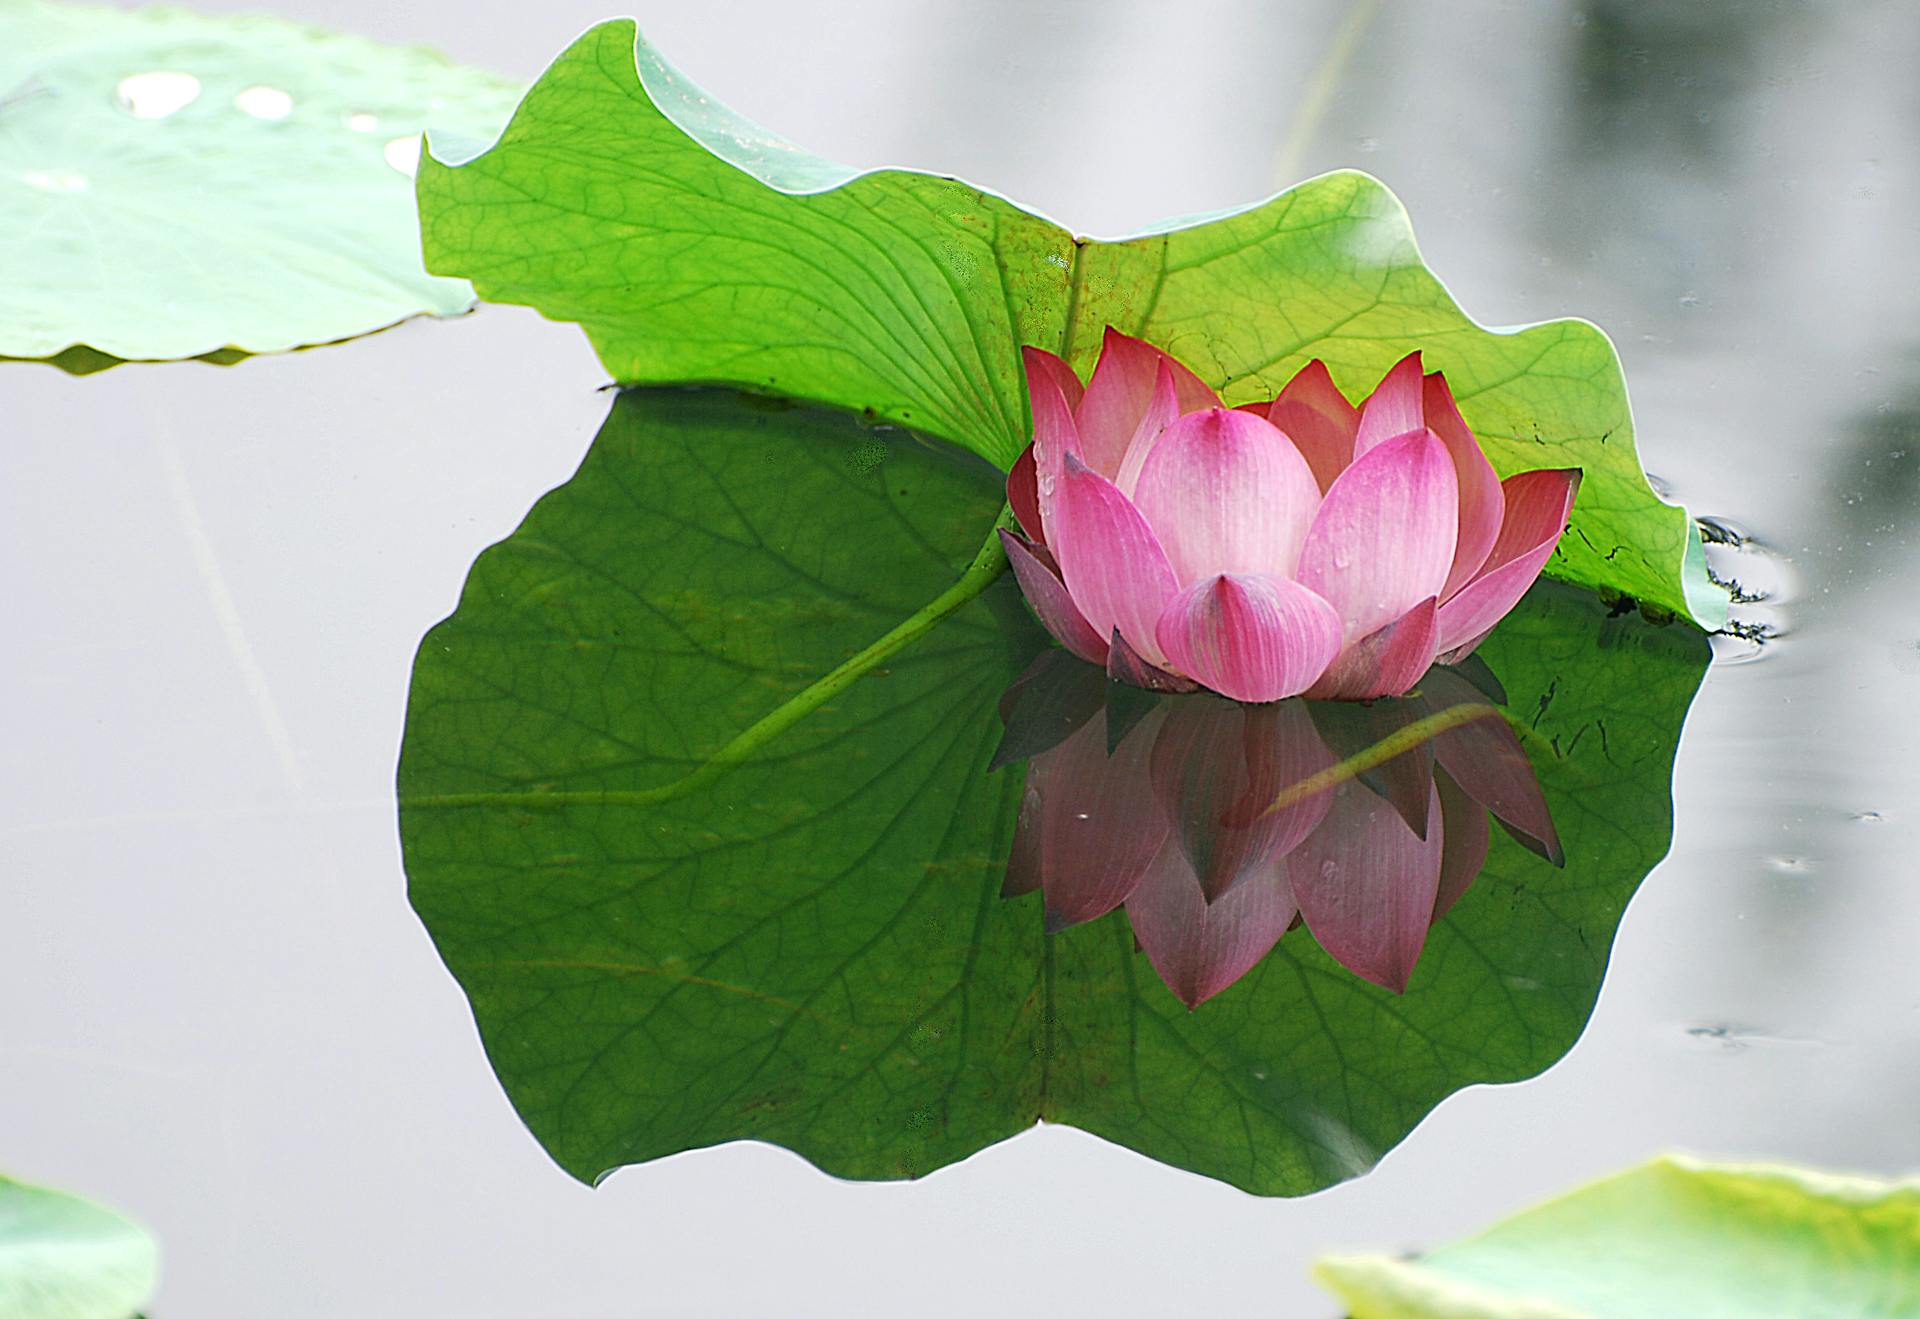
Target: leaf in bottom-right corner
{"points": [[1673, 1237]]}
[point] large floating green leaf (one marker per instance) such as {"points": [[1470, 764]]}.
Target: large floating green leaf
{"points": [[811, 949], [63, 1258], [1673, 1237], [693, 246], [267, 212]]}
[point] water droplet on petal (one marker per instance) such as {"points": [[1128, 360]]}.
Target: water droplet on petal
{"points": [[157, 95], [263, 102], [362, 122], [1329, 869], [403, 153]]}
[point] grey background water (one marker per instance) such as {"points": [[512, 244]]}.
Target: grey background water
{"points": [[221, 1015]]}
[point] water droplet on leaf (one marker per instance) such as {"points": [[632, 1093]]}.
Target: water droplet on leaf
{"points": [[158, 94]]}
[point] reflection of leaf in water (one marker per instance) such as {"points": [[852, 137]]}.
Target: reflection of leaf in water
{"points": [[811, 949]]}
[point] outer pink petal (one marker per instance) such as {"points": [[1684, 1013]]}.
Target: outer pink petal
{"points": [[1316, 416], [1111, 561], [1023, 496], [1047, 596], [1486, 759], [1200, 948], [1250, 637], [1482, 505], [1120, 392], [1054, 437], [1537, 506], [1100, 824], [1227, 493], [1162, 411], [1043, 365], [1367, 885], [1217, 768], [1396, 406], [1383, 539], [1465, 852], [1388, 662]]}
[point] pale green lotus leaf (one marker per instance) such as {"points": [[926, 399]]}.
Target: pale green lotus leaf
{"points": [[176, 185], [1675, 1237]]}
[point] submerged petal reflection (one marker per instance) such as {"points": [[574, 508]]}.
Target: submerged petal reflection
{"points": [[1220, 826]]}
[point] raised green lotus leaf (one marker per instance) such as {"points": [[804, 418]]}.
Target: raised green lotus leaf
{"points": [[695, 247], [64, 1258], [1676, 1236], [684, 916], [177, 185]]}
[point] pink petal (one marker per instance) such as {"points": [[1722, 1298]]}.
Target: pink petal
{"points": [[1111, 561], [1486, 759], [1023, 495], [1047, 596], [1396, 406], [1200, 948], [1217, 768], [1537, 506], [1464, 854], [1162, 411], [1054, 437], [1383, 539], [1366, 885], [1482, 504], [1387, 662], [1100, 824], [1227, 493], [1316, 416], [1043, 365], [1120, 392], [1250, 637]]}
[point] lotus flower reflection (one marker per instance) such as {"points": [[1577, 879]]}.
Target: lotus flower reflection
{"points": [[1220, 826], [1299, 545]]}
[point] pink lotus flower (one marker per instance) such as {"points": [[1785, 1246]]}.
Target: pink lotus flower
{"points": [[1301, 545], [1175, 818]]}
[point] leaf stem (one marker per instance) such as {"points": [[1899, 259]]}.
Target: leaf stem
{"points": [[987, 565]]}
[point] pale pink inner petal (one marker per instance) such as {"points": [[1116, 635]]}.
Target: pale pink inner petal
{"points": [[1199, 949], [1227, 493], [1383, 538], [1482, 505], [1366, 884], [1047, 595], [1250, 637], [1396, 406], [1120, 393], [1163, 409], [1112, 563]]}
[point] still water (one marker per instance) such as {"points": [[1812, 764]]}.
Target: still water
{"points": [[225, 1018]]}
